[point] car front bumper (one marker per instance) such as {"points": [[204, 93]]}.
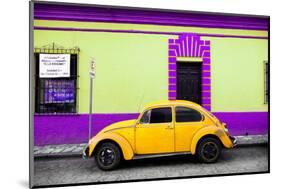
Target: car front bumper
{"points": [[233, 140], [85, 153]]}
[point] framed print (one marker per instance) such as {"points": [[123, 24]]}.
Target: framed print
{"points": [[123, 94]]}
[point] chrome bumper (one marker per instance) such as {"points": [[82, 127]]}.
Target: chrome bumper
{"points": [[85, 153], [234, 140]]}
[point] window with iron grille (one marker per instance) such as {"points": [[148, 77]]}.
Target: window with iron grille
{"points": [[266, 70], [59, 94]]}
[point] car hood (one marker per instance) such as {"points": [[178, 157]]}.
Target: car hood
{"points": [[119, 125]]}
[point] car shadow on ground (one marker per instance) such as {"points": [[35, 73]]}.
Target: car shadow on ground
{"points": [[169, 160], [159, 161]]}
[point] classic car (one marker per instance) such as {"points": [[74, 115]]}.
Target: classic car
{"points": [[164, 128]]}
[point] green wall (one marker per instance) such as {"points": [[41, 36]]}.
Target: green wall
{"points": [[237, 74], [131, 69]]}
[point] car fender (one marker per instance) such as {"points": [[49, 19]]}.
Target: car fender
{"points": [[125, 146], [210, 130]]}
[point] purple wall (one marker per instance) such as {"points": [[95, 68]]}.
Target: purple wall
{"points": [[71, 129], [240, 123]]}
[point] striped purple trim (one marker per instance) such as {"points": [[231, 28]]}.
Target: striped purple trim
{"points": [[143, 32], [190, 45], [172, 73], [172, 80], [206, 74], [91, 13], [172, 59], [206, 88], [172, 88], [206, 101], [172, 67]]}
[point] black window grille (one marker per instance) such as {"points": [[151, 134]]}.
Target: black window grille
{"points": [[56, 95], [266, 70], [266, 83]]}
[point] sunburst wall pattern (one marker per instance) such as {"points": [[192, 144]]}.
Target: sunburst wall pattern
{"points": [[190, 45]]}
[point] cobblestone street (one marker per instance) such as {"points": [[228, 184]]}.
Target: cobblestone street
{"points": [[67, 170]]}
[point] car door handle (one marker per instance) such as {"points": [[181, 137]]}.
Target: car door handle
{"points": [[169, 127]]}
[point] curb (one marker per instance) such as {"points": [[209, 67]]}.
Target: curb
{"points": [[75, 150], [58, 155], [64, 150]]}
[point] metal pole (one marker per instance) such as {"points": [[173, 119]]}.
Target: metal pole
{"points": [[31, 94], [90, 111]]}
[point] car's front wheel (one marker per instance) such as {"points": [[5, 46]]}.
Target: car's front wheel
{"points": [[107, 156], [209, 150]]}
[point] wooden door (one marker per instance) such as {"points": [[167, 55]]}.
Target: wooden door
{"points": [[189, 81]]}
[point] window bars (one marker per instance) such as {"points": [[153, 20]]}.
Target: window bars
{"points": [[266, 82], [56, 95]]}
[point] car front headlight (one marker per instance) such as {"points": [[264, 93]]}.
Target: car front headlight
{"points": [[226, 129]]}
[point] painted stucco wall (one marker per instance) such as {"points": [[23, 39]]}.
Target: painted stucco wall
{"points": [[133, 67], [237, 71], [132, 70]]}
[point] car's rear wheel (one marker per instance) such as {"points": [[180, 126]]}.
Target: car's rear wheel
{"points": [[209, 150], [108, 156]]}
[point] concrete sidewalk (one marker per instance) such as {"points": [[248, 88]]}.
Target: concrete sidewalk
{"points": [[76, 149]]}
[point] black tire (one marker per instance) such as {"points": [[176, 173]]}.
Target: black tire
{"points": [[208, 150], [107, 156]]}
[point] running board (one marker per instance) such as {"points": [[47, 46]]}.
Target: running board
{"points": [[160, 155]]}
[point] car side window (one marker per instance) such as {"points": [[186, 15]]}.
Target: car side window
{"points": [[184, 114], [146, 117], [161, 115]]}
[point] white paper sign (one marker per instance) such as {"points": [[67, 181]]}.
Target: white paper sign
{"points": [[93, 69], [54, 65]]}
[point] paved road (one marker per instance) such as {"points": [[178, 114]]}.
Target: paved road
{"points": [[66, 170]]}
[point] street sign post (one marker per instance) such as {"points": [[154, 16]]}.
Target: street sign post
{"points": [[92, 76], [92, 68]]}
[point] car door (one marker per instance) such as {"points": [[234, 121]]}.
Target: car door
{"points": [[155, 131], [187, 122]]}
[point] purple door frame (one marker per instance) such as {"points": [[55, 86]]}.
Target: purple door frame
{"points": [[190, 45]]}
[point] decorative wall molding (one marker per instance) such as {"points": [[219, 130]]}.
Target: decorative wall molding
{"points": [[74, 29], [190, 45], [133, 15]]}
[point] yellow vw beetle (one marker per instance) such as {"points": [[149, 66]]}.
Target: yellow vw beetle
{"points": [[162, 129]]}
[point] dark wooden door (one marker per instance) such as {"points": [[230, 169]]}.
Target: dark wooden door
{"points": [[189, 82]]}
